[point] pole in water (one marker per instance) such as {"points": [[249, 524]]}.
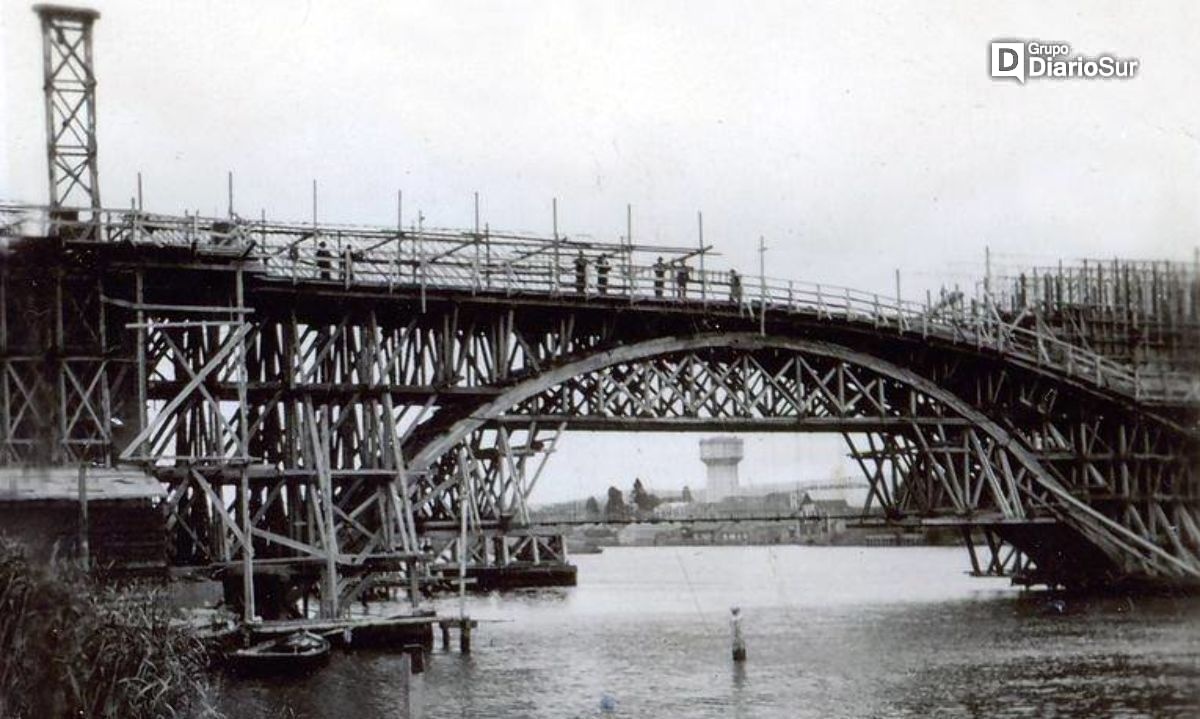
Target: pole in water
{"points": [[739, 644], [84, 527]]}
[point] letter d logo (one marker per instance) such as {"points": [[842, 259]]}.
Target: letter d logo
{"points": [[1008, 60]]}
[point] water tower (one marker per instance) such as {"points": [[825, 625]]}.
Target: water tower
{"points": [[721, 455]]}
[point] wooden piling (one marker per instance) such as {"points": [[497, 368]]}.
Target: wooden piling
{"points": [[84, 524], [464, 636]]}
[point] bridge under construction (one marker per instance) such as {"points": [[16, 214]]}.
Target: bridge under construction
{"points": [[349, 405]]}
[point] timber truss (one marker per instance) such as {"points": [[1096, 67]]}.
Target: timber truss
{"points": [[347, 424]]}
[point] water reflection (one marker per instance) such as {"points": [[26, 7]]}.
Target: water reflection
{"points": [[831, 632]]}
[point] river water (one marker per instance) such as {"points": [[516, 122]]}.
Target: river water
{"points": [[830, 631]]}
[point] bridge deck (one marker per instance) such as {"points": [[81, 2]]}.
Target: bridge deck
{"points": [[565, 269]]}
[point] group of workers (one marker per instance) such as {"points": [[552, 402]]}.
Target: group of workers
{"points": [[682, 273], [325, 263], [683, 276], [345, 262]]}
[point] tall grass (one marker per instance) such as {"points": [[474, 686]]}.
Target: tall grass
{"points": [[71, 647]]}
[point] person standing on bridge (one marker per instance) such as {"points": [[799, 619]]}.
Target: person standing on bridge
{"points": [[602, 274], [323, 263], [660, 275], [581, 274], [735, 289], [682, 275], [348, 258]]}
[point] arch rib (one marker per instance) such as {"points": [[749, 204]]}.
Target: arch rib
{"points": [[1117, 541]]}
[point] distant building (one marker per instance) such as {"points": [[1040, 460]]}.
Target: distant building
{"points": [[721, 455], [854, 493], [639, 534], [824, 502], [829, 509], [673, 510], [734, 533]]}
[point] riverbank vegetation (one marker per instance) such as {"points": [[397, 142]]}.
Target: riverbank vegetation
{"points": [[74, 647]]}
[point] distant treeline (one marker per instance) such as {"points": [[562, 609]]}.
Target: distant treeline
{"points": [[640, 504]]}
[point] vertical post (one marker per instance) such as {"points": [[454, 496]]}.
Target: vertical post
{"points": [[84, 526], [629, 238], [554, 277], [464, 636], [92, 149], [5, 417], [137, 220], [139, 293], [248, 610], [244, 459], [61, 442], [987, 288], [315, 235], [629, 255], [330, 591], [105, 392], [987, 270], [69, 85], [899, 304], [414, 588], [139, 190], [463, 490], [48, 61], [419, 249], [703, 277], [762, 285], [399, 235], [475, 280], [229, 190]]}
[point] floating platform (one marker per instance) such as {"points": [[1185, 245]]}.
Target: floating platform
{"points": [[486, 579], [395, 632]]}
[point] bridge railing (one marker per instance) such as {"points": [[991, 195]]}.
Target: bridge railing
{"points": [[514, 263]]}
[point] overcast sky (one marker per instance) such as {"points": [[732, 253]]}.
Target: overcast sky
{"points": [[858, 138]]}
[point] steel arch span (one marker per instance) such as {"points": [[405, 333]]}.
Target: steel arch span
{"points": [[932, 453]]}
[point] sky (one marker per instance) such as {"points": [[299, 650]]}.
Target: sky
{"points": [[856, 138]]}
